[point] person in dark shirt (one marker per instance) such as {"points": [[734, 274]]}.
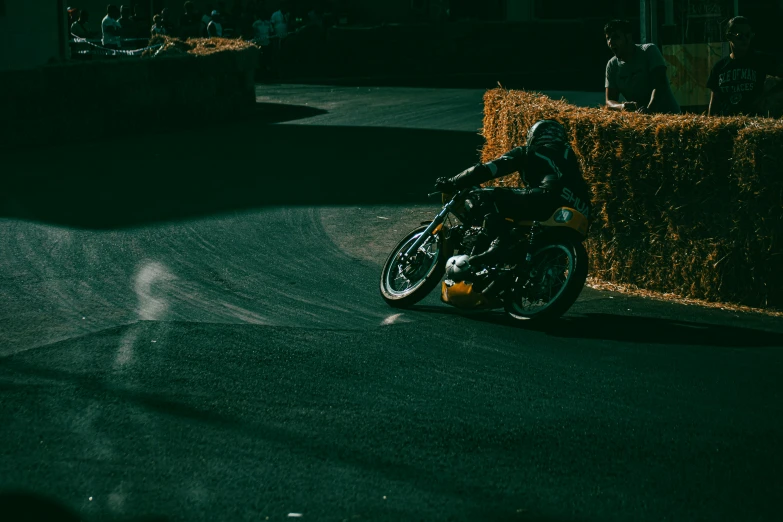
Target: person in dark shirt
{"points": [[189, 22], [167, 21], [737, 81], [638, 72], [130, 29], [81, 28]]}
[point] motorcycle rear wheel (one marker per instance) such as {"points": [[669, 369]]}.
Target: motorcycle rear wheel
{"points": [[559, 272], [403, 286]]}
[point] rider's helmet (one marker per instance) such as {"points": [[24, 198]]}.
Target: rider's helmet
{"points": [[547, 132]]}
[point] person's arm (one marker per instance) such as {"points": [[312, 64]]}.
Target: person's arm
{"points": [[713, 85], [612, 99], [659, 81], [774, 66], [772, 86], [551, 183], [510, 162], [656, 66], [613, 103]]}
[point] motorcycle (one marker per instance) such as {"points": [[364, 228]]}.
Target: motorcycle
{"points": [[538, 279]]}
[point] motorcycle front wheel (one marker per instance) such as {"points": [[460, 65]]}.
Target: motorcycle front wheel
{"points": [[405, 284], [551, 283]]}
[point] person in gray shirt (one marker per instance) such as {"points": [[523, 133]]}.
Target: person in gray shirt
{"points": [[638, 72]]}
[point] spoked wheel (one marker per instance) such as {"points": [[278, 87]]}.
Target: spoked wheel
{"points": [[548, 290], [406, 283]]}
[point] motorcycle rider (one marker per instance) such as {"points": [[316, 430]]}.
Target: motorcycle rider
{"points": [[552, 177]]}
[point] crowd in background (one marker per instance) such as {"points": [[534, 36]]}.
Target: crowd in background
{"points": [[128, 27], [737, 82], [271, 24], [637, 72]]}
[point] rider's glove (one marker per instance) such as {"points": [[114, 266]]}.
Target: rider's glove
{"points": [[444, 185]]}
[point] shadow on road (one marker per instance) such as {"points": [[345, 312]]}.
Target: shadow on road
{"points": [[652, 330], [26, 506], [267, 113], [629, 329], [184, 173]]}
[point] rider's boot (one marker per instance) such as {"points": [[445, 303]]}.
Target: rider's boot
{"points": [[500, 229]]}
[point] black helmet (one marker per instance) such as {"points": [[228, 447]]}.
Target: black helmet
{"points": [[546, 132]]}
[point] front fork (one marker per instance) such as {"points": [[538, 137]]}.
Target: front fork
{"points": [[432, 229]]}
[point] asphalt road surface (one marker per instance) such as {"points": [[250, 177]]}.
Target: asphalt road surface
{"points": [[190, 329]]}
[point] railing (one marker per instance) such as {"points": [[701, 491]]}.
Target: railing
{"points": [[94, 47]]}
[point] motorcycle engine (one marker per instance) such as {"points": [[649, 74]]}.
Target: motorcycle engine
{"points": [[469, 239], [458, 268]]}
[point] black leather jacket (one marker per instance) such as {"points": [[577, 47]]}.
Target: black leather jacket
{"points": [[547, 171]]}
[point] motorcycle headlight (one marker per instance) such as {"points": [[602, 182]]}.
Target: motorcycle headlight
{"points": [[468, 205], [563, 216]]}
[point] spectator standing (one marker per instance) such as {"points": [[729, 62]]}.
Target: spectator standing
{"points": [[262, 29], [73, 15], [281, 21], [129, 27], [111, 29], [638, 72], [168, 22], [205, 19], [158, 29], [81, 27], [737, 81], [215, 28], [189, 22]]}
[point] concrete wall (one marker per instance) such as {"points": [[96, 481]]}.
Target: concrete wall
{"points": [[501, 50], [60, 103], [519, 10], [29, 34]]}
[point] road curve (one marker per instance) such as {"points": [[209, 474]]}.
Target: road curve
{"points": [[201, 337]]}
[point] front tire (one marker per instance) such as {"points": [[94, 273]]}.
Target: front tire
{"points": [[558, 274], [404, 286]]}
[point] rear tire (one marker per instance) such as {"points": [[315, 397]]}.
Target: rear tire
{"points": [[568, 292], [427, 278]]}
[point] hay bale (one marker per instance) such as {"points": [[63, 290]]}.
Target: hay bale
{"points": [[684, 204], [170, 46]]}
